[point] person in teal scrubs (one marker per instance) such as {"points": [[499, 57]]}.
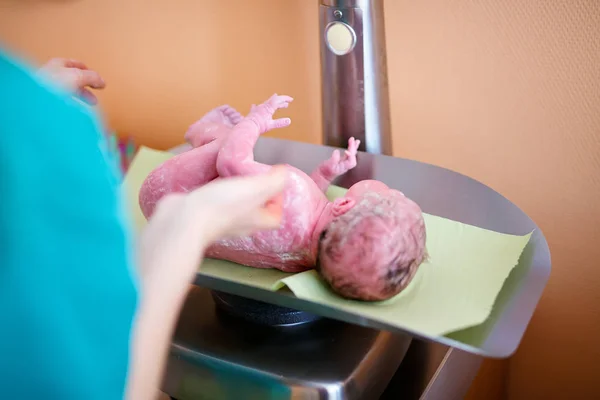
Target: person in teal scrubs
{"points": [[84, 314]]}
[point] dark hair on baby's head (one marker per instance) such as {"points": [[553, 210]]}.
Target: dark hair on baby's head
{"points": [[373, 251]]}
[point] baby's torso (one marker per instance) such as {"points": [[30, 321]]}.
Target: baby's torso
{"points": [[289, 247]]}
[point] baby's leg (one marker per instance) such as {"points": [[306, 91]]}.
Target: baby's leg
{"points": [[236, 156], [207, 128], [180, 174]]}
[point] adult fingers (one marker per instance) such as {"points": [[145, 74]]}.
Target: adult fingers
{"points": [[56, 62], [240, 205], [259, 189], [68, 63], [271, 185], [266, 216], [242, 193], [88, 78], [59, 62]]}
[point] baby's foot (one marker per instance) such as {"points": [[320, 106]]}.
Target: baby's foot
{"points": [[205, 129], [223, 114]]}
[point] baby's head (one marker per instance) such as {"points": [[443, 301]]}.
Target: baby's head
{"points": [[372, 248]]}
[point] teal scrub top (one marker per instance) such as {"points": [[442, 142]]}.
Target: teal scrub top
{"points": [[67, 287]]}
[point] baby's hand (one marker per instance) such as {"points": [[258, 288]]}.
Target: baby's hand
{"points": [[338, 165], [262, 115], [74, 77]]}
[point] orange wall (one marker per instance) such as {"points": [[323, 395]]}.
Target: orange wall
{"points": [[507, 91]]}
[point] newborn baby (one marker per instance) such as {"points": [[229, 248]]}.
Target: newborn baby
{"points": [[367, 245]]}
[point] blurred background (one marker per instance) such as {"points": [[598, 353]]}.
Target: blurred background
{"points": [[505, 91]]}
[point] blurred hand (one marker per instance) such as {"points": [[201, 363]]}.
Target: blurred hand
{"points": [[75, 77], [183, 225]]}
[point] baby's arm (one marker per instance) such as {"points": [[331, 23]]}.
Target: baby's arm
{"points": [[236, 157], [335, 166]]}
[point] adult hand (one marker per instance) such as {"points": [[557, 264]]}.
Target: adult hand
{"points": [[75, 77], [184, 224], [172, 247]]}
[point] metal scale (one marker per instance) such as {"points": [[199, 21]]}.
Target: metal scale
{"points": [[241, 343]]}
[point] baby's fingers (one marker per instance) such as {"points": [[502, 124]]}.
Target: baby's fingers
{"points": [[280, 123], [335, 156], [353, 144]]}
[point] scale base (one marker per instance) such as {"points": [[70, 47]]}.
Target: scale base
{"points": [[216, 355], [257, 312]]}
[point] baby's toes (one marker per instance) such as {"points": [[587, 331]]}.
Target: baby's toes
{"points": [[233, 114], [236, 119]]}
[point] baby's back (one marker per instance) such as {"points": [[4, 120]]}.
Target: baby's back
{"points": [[289, 247]]}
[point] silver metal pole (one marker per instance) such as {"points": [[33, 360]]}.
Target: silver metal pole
{"points": [[355, 98]]}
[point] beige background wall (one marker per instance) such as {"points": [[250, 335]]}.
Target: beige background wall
{"points": [[505, 91]]}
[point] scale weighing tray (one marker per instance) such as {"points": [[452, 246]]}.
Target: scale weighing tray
{"points": [[439, 192]]}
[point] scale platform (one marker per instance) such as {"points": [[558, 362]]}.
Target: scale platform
{"points": [[227, 349]]}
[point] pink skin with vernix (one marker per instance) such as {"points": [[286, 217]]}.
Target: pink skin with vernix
{"points": [[367, 245]]}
